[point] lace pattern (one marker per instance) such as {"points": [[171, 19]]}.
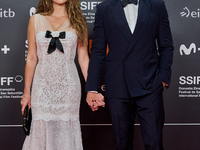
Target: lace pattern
{"points": [[54, 136], [56, 93], [56, 85]]}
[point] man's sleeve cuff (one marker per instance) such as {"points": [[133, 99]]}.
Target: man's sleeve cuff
{"points": [[93, 92]]}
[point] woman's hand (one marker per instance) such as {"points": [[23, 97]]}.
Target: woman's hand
{"points": [[102, 97], [95, 100], [26, 100]]}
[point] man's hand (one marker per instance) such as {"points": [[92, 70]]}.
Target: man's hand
{"points": [[164, 84], [95, 100]]}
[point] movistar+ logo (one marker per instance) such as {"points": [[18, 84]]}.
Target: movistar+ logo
{"points": [[187, 51]]}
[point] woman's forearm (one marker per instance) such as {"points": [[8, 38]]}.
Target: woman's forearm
{"points": [[29, 73], [84, 62]]}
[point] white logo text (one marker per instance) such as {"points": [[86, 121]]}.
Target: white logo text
{"points": [[187, 51], [7, 13], [187, 13]]}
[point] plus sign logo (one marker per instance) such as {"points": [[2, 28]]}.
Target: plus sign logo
{"points": [[5, 49]]}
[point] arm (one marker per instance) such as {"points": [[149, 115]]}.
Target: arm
{"points": [[83, 58], [165, 45], [98, 54], [31, 62]]}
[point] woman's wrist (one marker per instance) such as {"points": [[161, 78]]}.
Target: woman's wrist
{"points": [[27, 93]]}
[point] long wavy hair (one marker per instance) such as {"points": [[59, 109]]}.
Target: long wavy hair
{"points": [[75, 14]]}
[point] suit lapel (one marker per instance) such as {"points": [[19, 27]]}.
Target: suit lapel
{"points": [[143, 16], [120, 19]]}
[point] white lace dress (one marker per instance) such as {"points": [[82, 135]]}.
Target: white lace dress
{"points": [[56, 93]]}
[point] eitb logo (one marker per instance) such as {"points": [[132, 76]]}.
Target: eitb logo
{"points": [[188, 13], [6, 13]]}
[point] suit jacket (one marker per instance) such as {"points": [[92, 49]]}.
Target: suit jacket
{"points": [[136, 63]]}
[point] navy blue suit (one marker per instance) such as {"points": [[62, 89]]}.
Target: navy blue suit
{"points": [[137, 63]]}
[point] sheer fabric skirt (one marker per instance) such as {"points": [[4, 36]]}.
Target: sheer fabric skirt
{"points": [[54, 135]]}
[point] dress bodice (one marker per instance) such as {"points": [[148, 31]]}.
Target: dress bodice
{"points": [[69, 43], [56, 82]]}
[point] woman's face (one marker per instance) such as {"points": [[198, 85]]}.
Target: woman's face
{"points": [[59, 2]]}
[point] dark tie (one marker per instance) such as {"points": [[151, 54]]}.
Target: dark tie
{"points": [[126, 2], [55, 42]]}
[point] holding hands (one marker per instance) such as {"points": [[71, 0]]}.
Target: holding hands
{"points": [[95, 100]]}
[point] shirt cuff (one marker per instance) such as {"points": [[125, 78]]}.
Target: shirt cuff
{"points": [[93, 92]]}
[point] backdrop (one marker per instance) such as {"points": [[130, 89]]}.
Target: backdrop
{"points": [[181, 100]]}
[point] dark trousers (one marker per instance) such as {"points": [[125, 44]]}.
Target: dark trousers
{"points": [[150, 112]]}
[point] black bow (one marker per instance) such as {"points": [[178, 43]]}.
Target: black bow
{"points": [[55, 42], [126, 2]]}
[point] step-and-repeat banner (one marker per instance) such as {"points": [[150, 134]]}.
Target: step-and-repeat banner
{"points": [[181, 100]]}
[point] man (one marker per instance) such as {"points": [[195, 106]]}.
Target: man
{"points": [[138, 67]]}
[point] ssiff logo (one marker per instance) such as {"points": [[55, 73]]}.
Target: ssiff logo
{"points": [[187, 13], [88, 5], [187, 51], [189, 80], [9, 80]]}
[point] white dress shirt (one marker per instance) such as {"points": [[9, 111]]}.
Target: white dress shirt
{"points": [[131, 13]]}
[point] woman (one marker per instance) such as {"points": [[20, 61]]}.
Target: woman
{"points": [[54, 33]]}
